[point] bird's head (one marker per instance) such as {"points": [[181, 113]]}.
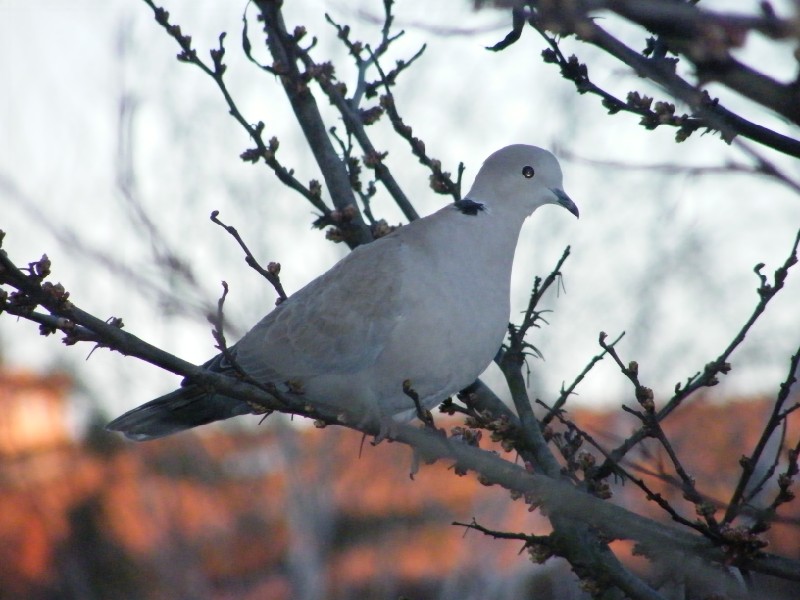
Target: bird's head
{"points": [[523, 177]]}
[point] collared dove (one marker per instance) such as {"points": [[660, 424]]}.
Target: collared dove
{"points": [[428, 304]]}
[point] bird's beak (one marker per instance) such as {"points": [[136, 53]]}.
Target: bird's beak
{"points": [[563, 200]]}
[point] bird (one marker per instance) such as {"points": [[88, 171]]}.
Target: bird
{"points": [[426, 306]]}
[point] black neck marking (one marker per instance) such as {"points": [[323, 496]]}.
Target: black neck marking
{"points": [[469, 207]]}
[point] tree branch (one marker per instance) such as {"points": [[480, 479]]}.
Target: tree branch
{"points": [[576, 18], [720, 365], [283, 48]]}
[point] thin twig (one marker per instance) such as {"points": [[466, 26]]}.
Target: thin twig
{"points": [[511, 362], [709, 376], [440, 181], [271, 273], [569, 390], [749, 463], [539, 289], [504, 535], [354, 123]]}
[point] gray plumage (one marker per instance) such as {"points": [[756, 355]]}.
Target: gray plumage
{"points": [[428, 303]]}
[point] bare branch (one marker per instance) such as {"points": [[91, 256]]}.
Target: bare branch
{"points": [[748, 463], [709, 376], [569, 390], [286, 52], [711, 62], [271, 273], [262, 150], [354, 120], [762, 167]]}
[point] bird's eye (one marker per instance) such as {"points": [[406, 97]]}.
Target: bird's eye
{"points": [[527, 172]]}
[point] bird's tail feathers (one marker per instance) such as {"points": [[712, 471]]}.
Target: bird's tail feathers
{"points": [[182, 409]]}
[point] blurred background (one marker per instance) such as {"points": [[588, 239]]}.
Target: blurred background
{"points": [[113, 155]]}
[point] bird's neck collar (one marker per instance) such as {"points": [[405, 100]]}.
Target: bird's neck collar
{"points": [[470, 207]]}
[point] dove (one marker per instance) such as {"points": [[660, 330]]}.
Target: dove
{"points": [[427, 304]]}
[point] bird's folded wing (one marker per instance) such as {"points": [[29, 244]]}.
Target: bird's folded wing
{"points": [[338, 323]]}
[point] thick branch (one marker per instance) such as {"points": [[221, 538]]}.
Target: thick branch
{"points": [[716, 115], [574, 18], [308, 116], [706, 38]]}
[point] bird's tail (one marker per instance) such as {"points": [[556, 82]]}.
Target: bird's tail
{"points": [[182, 409]]}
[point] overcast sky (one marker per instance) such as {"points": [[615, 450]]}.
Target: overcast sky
{"points": [[93, 90]]}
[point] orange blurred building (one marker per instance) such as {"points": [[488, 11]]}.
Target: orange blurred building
{"points": [[33, 415]]}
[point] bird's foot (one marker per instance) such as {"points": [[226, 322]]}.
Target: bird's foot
{"points": [[423, 414]]}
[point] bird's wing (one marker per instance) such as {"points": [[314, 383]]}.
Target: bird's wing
{"points": [[338, 323]]}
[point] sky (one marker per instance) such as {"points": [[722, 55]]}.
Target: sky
{"points": [[114, 154]]}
